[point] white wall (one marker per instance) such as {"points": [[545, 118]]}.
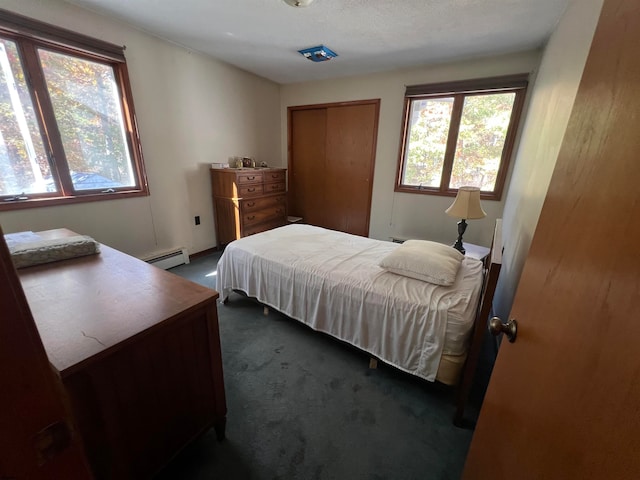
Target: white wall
{"points": [[192, 110], [546, 121], [403, 214]]}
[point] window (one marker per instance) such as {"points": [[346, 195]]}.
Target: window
{"points": [[459, 134], [67, 124]]}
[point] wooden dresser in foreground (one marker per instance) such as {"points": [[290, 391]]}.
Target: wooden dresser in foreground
{"points": [[248, 201], [138, 352]]}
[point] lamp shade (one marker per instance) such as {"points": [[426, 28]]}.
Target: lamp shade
{"points": [[467, 204]]}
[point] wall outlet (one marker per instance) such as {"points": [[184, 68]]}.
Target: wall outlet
{"points": [[197, 219]]}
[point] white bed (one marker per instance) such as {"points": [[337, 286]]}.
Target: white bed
{"points": [[332, 282]]}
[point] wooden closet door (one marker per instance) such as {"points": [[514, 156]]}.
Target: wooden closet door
{"points": [[307, 139], [331, 163], [351, 140]]}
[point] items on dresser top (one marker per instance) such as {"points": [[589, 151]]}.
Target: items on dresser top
{"points": [[248, 201], [240, 162]]}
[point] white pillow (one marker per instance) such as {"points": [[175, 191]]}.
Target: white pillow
{"points": [[424, 260]]}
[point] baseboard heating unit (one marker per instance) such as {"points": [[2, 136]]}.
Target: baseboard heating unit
{"points": [[169, 258]]}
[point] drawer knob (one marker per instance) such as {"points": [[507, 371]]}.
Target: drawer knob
{"points": [[251, 189], [251, 204], [251, 217]]}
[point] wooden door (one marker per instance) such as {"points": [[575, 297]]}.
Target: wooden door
{"points": [[307, 138], [564, 399], [37, 439], [331, 164], [351, 142]]}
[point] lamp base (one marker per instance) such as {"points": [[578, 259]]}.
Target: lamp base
{"points": [[462, 226], [458, 246]]}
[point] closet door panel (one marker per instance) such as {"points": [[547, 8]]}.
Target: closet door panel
{"points": [[307, 141], [351, 141]]}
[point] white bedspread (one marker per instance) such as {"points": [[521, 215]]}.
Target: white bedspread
{"points": [[331, 281]]}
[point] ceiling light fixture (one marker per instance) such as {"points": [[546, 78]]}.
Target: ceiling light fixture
{"points": [[298, 3], [318, 54]]}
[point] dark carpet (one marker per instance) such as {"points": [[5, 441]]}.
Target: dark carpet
{"points": [[302, 405]]}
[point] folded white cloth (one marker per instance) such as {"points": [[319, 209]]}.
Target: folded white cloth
{"points": [[28, 254]]}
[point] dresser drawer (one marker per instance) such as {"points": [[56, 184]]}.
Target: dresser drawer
{"points": [[263, 227], [249, 177], [263, 202], [279, 176], [264, 215], [250, 190], [275, 187]]}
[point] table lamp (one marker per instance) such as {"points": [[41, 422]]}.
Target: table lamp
{"points": [[466, 206]]}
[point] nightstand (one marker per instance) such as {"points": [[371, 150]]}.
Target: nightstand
{"points": [[476, 251]]}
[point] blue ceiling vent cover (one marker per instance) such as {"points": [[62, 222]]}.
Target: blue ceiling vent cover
{"points": [[318, 54]]}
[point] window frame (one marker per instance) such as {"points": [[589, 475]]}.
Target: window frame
{"points": [[517, 84], [29, 35]]}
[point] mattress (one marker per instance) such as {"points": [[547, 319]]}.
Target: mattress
{"points": [[331, 281]]}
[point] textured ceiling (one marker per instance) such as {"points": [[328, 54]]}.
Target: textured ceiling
{"points": [[263, 36]]}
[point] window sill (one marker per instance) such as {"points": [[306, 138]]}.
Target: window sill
{"points": [[441, 193], [57, 201]]}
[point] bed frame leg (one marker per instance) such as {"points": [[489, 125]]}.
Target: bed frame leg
{"points": [[373, 363], [265, 311]]}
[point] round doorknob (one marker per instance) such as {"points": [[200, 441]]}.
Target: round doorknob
{"points": [[510, 329]]}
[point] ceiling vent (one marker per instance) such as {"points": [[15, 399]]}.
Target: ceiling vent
{"points": [[318, 54]]}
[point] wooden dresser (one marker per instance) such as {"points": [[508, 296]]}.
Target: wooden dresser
{"points": [[248, 201], [138, 352]]}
